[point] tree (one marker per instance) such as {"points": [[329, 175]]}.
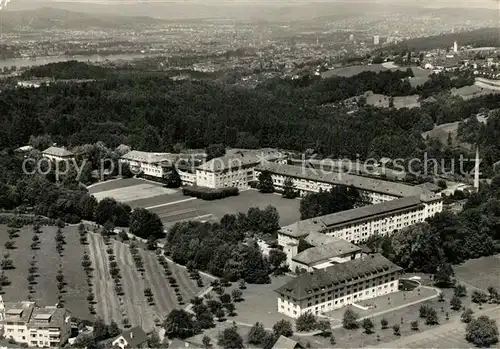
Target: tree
{"points": [[493, 294], [172, 178], [431, 318], [460, 290], [179, 323], [230, 309], [225, 298], [269, 340], [384, 323], [306, 322], [236, 295], [325, 328], [289, 191], [332, 340], [215, 151], [153, 340], [9, 244], [206, 341], [220, 314], [482, 332], [444, 276], [283, 328], [466, 315], [339, 198], [367, 325], [256, 334], [414, 325], [350, 320], [455, 303], [265, 182], [276, 258], [144, 224], [479, 297], [100, 330], [229, 338], [396, 330], [242, 284]]}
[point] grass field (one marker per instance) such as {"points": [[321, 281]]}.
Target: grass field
{"points": [[107, 304], [441, 132], [378, 100], [481, 272], [202, 210]]}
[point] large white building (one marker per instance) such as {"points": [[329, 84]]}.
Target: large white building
{"points": [[35, 326], [236, 169], [341, 284], [358, 224], [309, 180]]}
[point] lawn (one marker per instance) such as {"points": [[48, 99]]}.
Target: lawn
{"points": [[379, 100], [214, 210], [403, 317], [481, 272]]}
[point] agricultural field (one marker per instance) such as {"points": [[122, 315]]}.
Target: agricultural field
{"points": [[132, 304], [378, 100], [442, 131]]}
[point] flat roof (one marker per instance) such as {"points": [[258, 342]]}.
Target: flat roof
{"points": [[309, 284]]}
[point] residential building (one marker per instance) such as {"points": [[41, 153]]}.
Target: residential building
{"points": [[58, 154], [341, 284], [376, 39], [286, 343], [358, 224], [310, 180], [43, 327], [134, 337]]}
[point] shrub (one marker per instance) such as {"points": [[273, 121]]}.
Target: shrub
{"points": [[210, 193]]}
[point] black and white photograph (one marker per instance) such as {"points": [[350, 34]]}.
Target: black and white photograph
{"points": [[249, 174]]}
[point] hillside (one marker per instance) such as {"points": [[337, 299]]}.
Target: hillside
{"points": [[484, 37], [278, 10], [49, 17]]}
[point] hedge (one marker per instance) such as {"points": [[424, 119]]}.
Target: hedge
{"points": [[205, 193]]}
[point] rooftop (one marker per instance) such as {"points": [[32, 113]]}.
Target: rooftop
{"points": [[150, 158], [356, 215], [346, 179], [228, 162], [308, 284], [286, 343], [56, 151], [20, 311], [49, 317], [322, 253], [134, 336]]}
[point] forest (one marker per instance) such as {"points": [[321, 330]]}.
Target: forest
{"points": [[485, 37]]}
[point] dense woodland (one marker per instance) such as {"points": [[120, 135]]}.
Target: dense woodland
{"points": [[485, 37], [226, 249]]}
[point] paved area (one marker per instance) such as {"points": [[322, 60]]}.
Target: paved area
{"points": [[134, 192]]}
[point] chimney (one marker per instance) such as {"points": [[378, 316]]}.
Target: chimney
{"points": [[476, 170]]}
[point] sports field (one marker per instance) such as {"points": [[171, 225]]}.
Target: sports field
{"points": [[196, 209], [171, 206]]}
